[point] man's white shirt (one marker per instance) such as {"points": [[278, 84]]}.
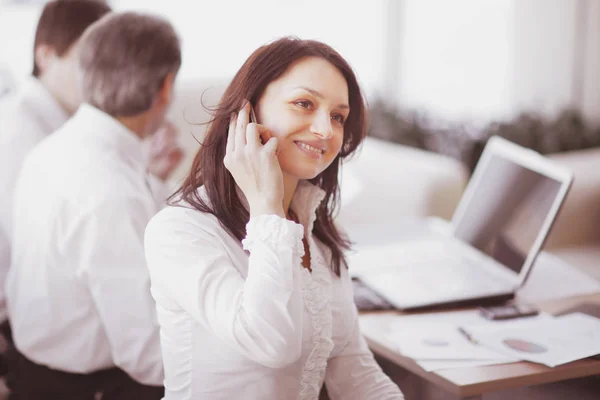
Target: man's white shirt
{"points": [[26, 118], [78, 288]]}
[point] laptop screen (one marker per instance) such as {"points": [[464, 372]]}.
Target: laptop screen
{"points": [[507, 210]]}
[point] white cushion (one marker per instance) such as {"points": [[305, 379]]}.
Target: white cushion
{"points": [[385, 181]]}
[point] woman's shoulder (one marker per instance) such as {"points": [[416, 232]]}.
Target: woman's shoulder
{"points": [[181, 216]]}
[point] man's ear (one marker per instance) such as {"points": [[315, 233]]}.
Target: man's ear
{"points": [[44, 57], [166, 91]]}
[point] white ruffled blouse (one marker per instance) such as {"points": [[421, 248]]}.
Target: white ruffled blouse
{"points": [[248, 321]]}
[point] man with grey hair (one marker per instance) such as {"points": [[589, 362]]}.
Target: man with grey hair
{"points": [[78, 290]]}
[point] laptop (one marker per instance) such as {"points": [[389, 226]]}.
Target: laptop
{"points": [[490, 247]]}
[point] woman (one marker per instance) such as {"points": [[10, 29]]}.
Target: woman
{"points": [[253, 296]]}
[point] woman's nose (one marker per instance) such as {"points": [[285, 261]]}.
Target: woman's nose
{"points": [[321, 126]]}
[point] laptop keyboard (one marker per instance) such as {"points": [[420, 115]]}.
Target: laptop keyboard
{"points": [[422, 280], [366, 299]]}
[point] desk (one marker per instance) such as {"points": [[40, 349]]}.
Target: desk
{"points": [[473, 383]]}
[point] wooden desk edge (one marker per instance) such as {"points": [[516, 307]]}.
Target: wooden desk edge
{"points": [[525, 373]]}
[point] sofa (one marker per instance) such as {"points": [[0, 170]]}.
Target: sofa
{"points": [[575, 236], [390, 181]]}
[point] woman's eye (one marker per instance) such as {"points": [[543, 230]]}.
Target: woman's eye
{"points": [[339, 118], [304, 103]]}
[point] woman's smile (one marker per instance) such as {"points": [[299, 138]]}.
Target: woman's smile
{"points": [[313, 149]]}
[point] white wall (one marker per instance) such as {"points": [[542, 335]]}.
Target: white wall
{"points": [[455, 57], [545, 65], [17, 32], [591, 62], [459, 60], [217, 36], [481, 60]]}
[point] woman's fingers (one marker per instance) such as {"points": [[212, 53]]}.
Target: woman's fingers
{"points": [[271, 147], [242, 123], [257, 135], [253, 166], [248, 137], [252, 135]]}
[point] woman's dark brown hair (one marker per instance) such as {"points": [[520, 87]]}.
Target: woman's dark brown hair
{"points": [[265, 65]]}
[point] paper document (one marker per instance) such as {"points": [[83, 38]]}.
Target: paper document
{"points": [[440, 342], [436, 337], [439, 365], [551, 342]]}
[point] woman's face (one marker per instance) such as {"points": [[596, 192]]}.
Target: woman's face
{"points": [[306, 109]]}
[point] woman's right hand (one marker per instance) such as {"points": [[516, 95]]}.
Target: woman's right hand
{"points": [[254, 166]]}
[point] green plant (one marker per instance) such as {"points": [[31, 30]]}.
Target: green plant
{"points": [[464, 141]]}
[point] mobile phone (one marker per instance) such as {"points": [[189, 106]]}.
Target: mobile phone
{"points": [[252, 115], [508, 312], [253, 119]]}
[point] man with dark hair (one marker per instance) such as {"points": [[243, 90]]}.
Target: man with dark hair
{"points": [[78, 289], [42, 105], [54, 50]]}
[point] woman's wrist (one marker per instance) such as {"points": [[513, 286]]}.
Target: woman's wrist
{"points": [[256, 210]]}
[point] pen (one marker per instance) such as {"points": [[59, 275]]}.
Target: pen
{"points": [[467, 335]]}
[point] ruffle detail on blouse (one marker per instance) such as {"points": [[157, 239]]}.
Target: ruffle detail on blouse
{"points": [[316, 288], [275, 232]]}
